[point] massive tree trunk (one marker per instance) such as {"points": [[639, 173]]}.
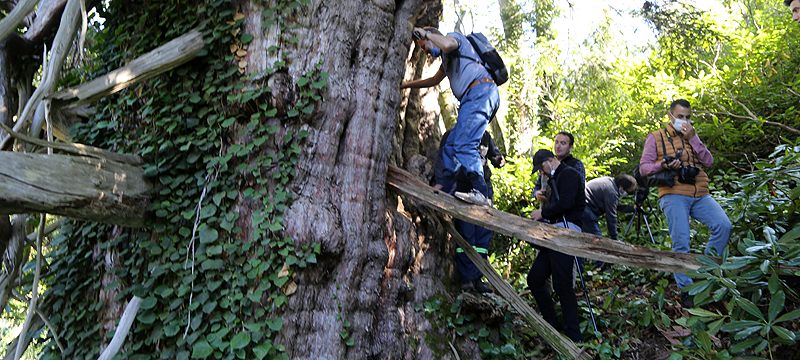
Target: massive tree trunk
{"points": [[375, 263]]}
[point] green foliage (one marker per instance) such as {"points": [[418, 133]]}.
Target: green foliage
{"points": [[749, 289], [495, 341], [211, 274]]}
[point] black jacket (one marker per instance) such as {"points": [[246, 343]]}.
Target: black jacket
{"points": [[568, 196]]}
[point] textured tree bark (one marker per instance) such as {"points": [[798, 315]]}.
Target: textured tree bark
{"points": [[79, 187], [377, 261]]}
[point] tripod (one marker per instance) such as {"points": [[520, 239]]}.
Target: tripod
{"points": [[640, 213]]}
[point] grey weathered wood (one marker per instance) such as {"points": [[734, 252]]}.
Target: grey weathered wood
{"points": [[124, 327], [164, 58], [77, 149], [78, 187], [537, 233], [48, 14], [559, 342], [9, 23]]}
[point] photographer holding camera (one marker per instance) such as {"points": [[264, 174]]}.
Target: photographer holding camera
{"points": [[673, 159]]}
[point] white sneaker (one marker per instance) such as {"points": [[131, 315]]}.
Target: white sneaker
{"points": [[473, 197]]}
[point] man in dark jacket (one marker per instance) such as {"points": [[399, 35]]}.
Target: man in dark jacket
{"points": [[564, 208], [602, 197], [562, 147]]}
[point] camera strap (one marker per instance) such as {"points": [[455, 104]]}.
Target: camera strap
{"points": [[689, 155]]}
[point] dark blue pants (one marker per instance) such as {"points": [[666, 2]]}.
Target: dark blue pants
{"points": [[477, 236], [461, 150]]}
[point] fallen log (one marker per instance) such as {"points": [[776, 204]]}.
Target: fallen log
{"points": [[541, 234], [78, 187], [559, 342], [162, 59]]}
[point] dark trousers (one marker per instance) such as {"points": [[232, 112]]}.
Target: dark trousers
{"points": [[477, 236], [559, 266]]}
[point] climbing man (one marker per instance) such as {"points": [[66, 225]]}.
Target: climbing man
{"points": [[477, 236], [479, 99], [563, 208], [676, 156]]}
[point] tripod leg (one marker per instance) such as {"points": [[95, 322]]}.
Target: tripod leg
{"points": [[638, 224], [586, 294], [630, 222], [647, 224]]}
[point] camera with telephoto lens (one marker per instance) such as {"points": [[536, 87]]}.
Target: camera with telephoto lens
{"points": [[688, 174]]}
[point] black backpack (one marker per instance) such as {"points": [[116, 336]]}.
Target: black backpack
{"points": [[490, 59]]}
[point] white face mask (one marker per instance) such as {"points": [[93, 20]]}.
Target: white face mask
{"points": [[678, 124]]}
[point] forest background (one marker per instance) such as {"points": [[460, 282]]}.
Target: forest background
{"points": [[605, 72]]}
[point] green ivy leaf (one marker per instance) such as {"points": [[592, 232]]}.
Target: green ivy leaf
{"points": [[261, 351], [246, 38], [207, 234], [147, 303], [275, 324], [241, 340], [201, 350]]}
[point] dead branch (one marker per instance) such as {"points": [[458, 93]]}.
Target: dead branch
{"points": [[73, 186], [77, 149], [559, 342], [12, 259], [164, 58], [61, 46], [34, 288], [122, 329], [9, 23]]}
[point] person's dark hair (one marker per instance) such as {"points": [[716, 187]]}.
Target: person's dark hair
{"points": [[571, 138], [433, 30], [787, 2], [627, 182], [681, 102]]}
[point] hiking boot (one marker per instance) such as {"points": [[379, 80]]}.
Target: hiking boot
{"points": [[686, 301], [473, 197], [481, 287]]}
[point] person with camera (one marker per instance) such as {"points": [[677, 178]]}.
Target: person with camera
{"points": [[602, 197], [674, 158], [564, 208], [479, 100], [562, 147]]}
